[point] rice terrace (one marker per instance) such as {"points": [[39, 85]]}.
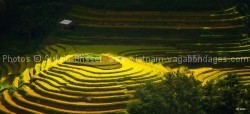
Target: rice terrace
{"points": [[124, 56]]}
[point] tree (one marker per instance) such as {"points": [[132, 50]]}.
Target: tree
{"points": [[231, 94], [177, 94], [225, 96], [209, 97], [182, 94], [150, 100]]}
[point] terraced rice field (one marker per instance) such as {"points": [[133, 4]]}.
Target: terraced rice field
{"points": [[59, 85], [63, 86]]}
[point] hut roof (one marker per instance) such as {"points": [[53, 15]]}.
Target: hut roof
{"points": [[65, 22]]}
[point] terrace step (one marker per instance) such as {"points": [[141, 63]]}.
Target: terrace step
{"points": [[3, 109], [90, 75], [38, 106], [94, 70], [16, 107], [80, 106]]}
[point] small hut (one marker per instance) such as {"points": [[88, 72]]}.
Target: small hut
{"points": [[67, 24]]}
